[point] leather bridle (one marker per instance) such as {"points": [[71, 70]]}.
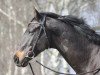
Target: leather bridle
{"points": [[42, 28]]}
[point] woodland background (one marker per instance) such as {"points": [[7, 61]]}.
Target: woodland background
{"points": [[14, 18]]}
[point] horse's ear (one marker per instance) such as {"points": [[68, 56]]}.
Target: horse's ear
{"points": [[37, 15]]}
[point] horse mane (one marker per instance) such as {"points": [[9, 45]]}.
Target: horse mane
{"points": [[77, 23], [50, 14]]}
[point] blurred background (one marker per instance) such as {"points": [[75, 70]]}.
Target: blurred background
{"points": [[14, 18]]}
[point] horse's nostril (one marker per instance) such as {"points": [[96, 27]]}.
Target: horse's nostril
{"points": [[16, 59]]}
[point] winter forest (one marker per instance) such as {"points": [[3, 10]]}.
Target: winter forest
{"points": [[14, 18]]}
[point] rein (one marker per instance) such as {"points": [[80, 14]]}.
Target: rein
{"points": [[42, 28], [93, 71]]}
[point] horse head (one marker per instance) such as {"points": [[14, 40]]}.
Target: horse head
{"points": [[34, 40]]}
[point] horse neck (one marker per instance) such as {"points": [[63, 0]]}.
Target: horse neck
{"points": [[76, 49]]}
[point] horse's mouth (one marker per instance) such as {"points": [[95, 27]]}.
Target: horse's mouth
{"points": [[20, 58], [22, 63], [25, 62]]}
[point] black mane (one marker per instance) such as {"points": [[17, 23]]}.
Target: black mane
{"points": [[50, 14], [78, 24]]}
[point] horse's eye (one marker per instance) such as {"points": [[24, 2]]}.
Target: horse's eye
{"points": [[32, 26], [31, 30]]}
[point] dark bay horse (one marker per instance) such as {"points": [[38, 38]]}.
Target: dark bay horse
{"points": [[72, 37]]}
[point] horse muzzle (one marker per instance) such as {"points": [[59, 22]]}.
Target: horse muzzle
{"points": [[20, 59]]}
